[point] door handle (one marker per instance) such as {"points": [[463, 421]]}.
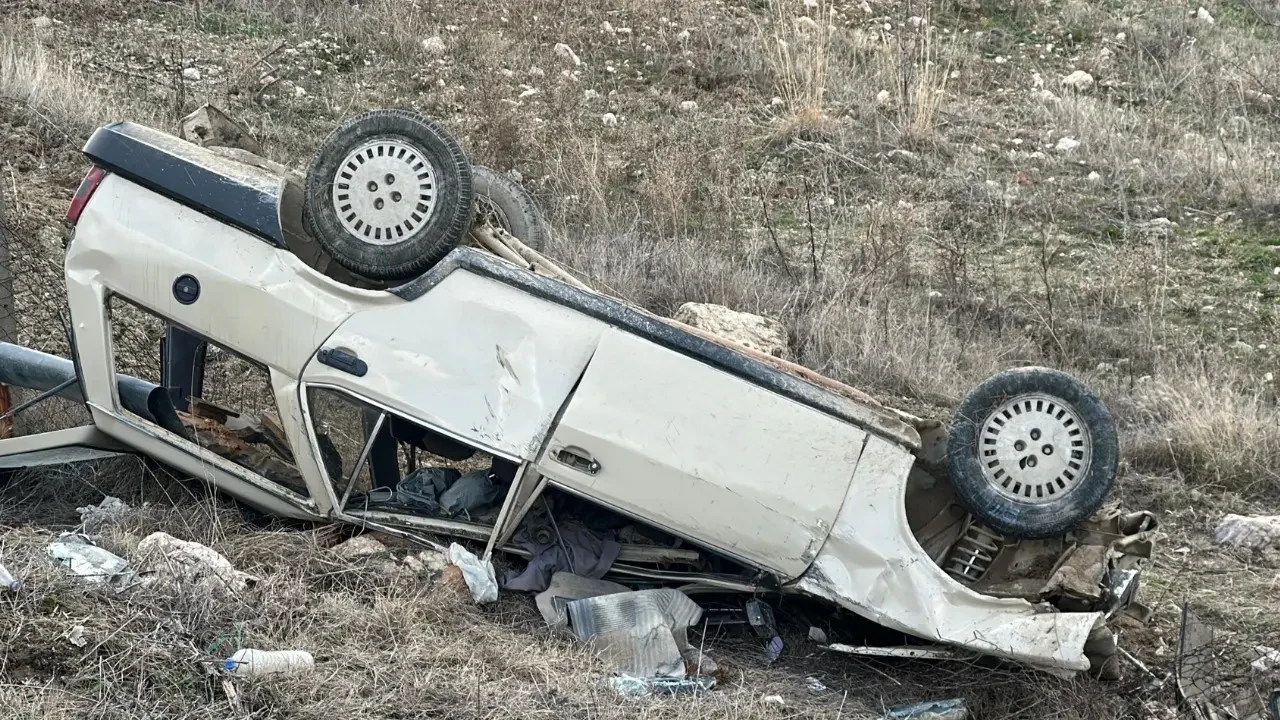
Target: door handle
{"points": [[578, 459]]}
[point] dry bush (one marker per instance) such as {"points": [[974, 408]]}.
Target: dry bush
{"points": [[797, 46]]}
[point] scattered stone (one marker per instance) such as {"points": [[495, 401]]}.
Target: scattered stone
{"points": [[590, 94], [1094, 176], [608, 27], [1120, 37], [915, 21], [754, 331], [42, 22], [530, 92], [1066, 144], [609, 120], [1078, 81], [818, 635], [806, 24], [567, 53], [1268, 661], [1242, 347], [166, 560], [299, 91], [688, 106], [190, 74], [76, 637], [1044, 95], [433, 45], [777, 101], [210, 126], [1254, 532], [360, 546], [537, 72], [1203, 16], [882, 97], [682, 36]]}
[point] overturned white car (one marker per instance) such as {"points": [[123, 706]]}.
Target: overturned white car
{"points": [[382, 343]]}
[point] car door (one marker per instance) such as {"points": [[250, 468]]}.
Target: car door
{"points": [[703, 454]]}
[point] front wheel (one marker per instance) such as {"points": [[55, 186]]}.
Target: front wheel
{"points": [[1032, 452]]}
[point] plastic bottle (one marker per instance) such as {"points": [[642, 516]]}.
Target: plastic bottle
{"points": [[8, 581], [254, 663]]}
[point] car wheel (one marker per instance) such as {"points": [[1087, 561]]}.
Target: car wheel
{"points": [[503, 202], [389, 194], [1032, 452]]}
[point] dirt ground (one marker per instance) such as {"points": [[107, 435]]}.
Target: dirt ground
{"points": [[913, 189]]}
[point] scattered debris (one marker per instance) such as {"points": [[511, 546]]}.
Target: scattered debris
{"points": [[82, 557], [558, 545], [469, 493], [902, 651], [642, 633], [94, 518], [639, 687], [1079, 81], [8, 581], [815, 685], [760, 617], [930, 710], [1267, 662], [75, 636], [818, 635], [170, 561], [1253, 532], [757, 332], [256, 663], [478, 575], [565, 587]]}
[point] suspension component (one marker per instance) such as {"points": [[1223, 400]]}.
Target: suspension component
{"points": [[973, 553]]}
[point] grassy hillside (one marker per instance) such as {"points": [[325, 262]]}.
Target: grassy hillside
{"points": [[910, 187]]}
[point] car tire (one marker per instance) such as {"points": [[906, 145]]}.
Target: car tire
{"points": [[503, 202], [1032, 452], [370, 225]]}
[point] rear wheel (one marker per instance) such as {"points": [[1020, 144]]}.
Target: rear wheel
{"points": [[503, 202], [1032, 452], [389, 194]]}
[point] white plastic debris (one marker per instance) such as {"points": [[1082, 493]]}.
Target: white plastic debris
{"points": [[8, 581], [256, 663], [94, 518], [78, 554], [169, 560], [478, 575]]}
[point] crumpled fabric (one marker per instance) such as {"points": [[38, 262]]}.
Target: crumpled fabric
{"points": [[422, 487], [469, 493], [583, 553]]}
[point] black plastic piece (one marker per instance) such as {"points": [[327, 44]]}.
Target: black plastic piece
{"points": [[660, 333], [188, 174], [182, 358], [344, 361]]}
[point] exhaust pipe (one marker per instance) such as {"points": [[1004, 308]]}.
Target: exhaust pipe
{"points": [[31, 369]]}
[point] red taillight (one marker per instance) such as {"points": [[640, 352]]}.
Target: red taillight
{"points": [[84, 192]]}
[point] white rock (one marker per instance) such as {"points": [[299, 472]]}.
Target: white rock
{"points": [[915, 21], [590, 94], [806, 24], [536, 71], [1036, 80], [688, 106], [1066, 144], [1079, 81], [433, 45], [777, 101], [190, 74], [607, 27], [360, 546], [299, 91], [754, 331], [1044, 95], [171, 561], [865, 7], [1242, 347], [42, 22], [565, 52], [682, 36], [1203, 16], [1000, 60], [529, 93], [624, 31], [1094, 176], [108, 512], [1257, 531], [1120, 37], [882, 97], [609, 119], [811, 3]]}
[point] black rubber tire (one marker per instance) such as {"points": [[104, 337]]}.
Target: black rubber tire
{"points": [[1026, 520], [441, 232], [517, 213]]}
